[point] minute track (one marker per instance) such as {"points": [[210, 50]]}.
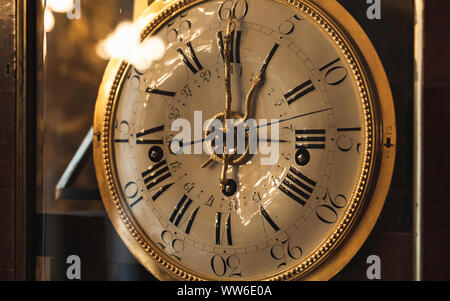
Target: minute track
{"points": [[193, 223]]}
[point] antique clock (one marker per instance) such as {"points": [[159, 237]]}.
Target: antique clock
{"points": [[308, 70]]}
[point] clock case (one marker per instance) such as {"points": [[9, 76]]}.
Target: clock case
{"points": [[70, 216]]}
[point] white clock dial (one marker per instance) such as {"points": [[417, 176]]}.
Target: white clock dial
{"points": [[275, 216]]}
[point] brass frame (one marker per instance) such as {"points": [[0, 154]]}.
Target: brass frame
{"points": [[418, 142], [369, 195]]}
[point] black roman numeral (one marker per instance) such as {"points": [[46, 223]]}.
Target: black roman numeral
{"points": [[193, 56], [141, 140], [235, 46], [300, 91], [180, 211], [310, 139], [161, 191], [156, 175], [269, 219], [297, 186], [355, 129], [219, 229], [161, 92]]}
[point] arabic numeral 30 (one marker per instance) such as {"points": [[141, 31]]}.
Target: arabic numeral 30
{"points": [[226, 266]]}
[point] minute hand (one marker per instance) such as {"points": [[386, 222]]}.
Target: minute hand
{"points": [[257, 80], [293, 117]]}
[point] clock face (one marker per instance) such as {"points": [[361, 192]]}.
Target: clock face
{"points": [[251, 219]]}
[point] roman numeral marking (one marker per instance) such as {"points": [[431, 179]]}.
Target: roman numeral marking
{"points": [[180, 211], [156, 175], [193, 56], [300, 91], [310, 139], [141, 140], [191, 221], [356, 129], [161, 191], [219, 229], [297, 186], [235, 46], [161, 92], [269, 219]]}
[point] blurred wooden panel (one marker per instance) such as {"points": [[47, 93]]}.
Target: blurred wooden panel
{"points": [[7, 139], [437, 42], [437, 142], [395, 253]]}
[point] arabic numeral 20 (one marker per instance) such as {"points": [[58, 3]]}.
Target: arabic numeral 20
{"points": [[285, 251], [328, 211]]}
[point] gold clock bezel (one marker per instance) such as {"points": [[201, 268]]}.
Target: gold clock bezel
{"points": [[376, 173]]}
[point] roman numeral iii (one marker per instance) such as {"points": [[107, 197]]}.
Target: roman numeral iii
{"points": [[310, 139]]}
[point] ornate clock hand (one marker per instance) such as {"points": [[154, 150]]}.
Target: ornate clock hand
{"points": [[228, 99], [227, 57], [228, 95], [257, 80]]}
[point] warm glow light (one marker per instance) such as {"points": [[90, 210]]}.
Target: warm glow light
{"points": [[124, 43], [60, 6], [49, 20]]}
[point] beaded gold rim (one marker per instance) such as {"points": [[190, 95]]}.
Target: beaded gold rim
{"points": [[366, 178]]}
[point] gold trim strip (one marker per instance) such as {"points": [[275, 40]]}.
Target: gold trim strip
{"points": [[418, 140]]}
